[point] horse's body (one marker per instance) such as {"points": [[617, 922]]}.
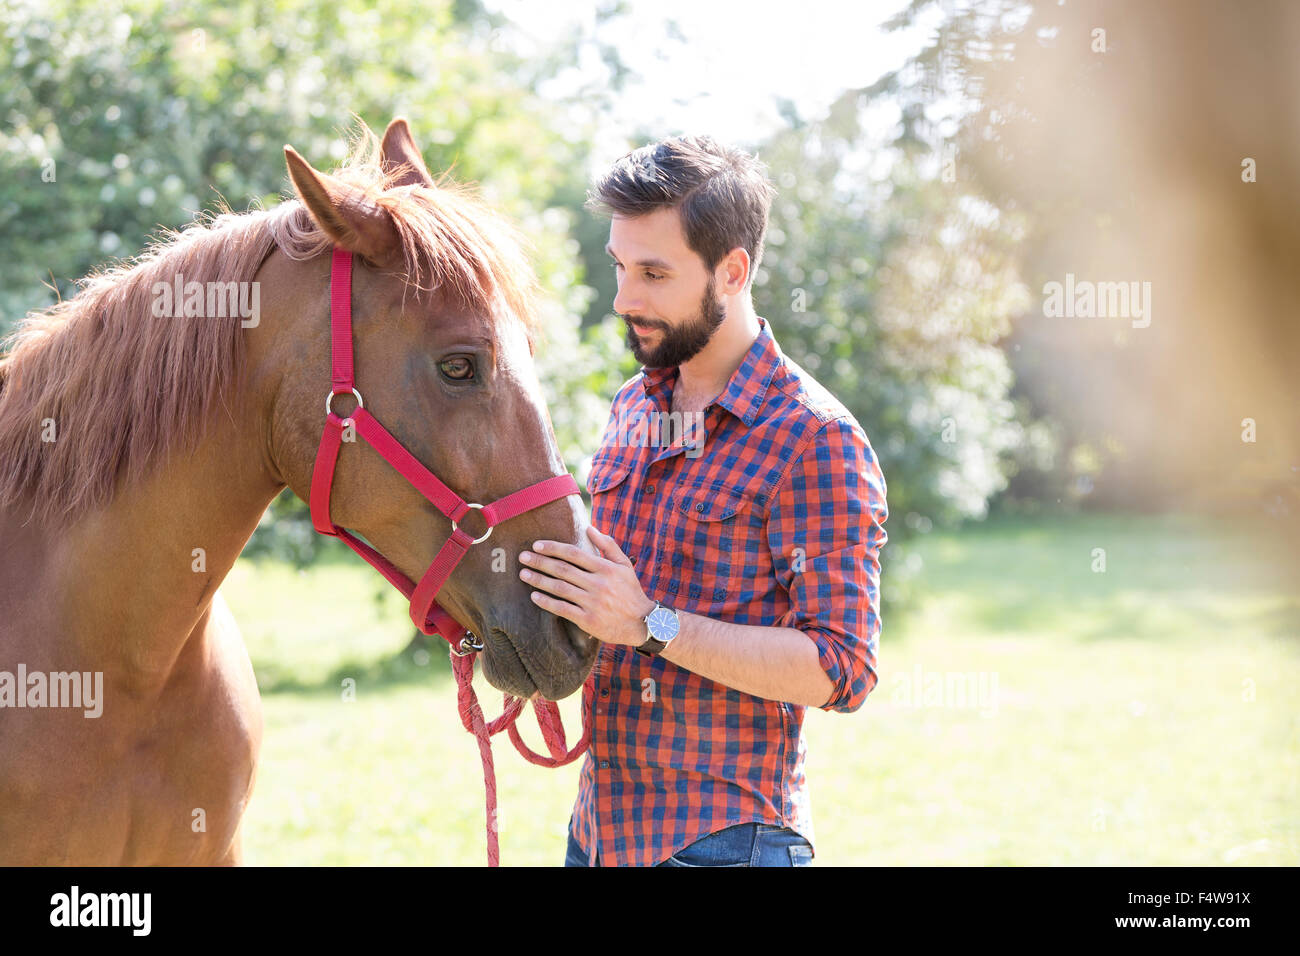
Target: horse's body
{"points": [[162, 775], [122, 578]]}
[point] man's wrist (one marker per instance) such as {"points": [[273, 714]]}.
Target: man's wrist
{"points": [[663, 627], [639, 630]]}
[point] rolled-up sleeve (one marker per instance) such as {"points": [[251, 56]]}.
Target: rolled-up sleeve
{"points": [[826, 530]]}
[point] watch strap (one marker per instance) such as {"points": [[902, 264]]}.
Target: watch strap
{"points": [[651, 647]]}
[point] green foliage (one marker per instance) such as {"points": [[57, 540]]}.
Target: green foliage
{"points": [[1128, 158], [121, 117], [891, 287], [893, 290]]}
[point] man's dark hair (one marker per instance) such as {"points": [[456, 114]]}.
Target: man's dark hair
{"points": [[722, 194]]}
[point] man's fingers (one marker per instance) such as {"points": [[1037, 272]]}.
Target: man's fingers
{"points": [[570, 612], [569, 553], [608, 546], [555, 568], [556, 586]]}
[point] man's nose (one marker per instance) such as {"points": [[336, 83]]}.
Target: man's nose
{"points": [[624, 301]]}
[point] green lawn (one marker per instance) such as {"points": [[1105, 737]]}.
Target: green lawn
{"points": [[1032, 711]]}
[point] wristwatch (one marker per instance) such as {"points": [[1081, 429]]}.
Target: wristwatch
{"points": [[661, 626]]}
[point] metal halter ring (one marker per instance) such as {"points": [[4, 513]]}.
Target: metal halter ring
{"points": [[487, 534], [329, 399], [469, 644]]}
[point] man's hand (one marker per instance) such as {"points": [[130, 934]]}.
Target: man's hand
{"points": [[601, 595]]}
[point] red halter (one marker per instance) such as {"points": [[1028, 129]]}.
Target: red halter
{"points": [[427, 614]]}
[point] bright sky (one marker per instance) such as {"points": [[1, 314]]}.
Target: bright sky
{"points": [[735, 60]]}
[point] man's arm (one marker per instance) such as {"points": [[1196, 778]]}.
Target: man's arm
{"points": [[775, 663], [825, 532]]}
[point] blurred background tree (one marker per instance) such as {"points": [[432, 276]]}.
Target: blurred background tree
{"points": [[1150, 142], [146, 113], [895, 298], [906, 255]]}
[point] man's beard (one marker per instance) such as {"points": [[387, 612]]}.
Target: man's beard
{"points": [[681, 343]]}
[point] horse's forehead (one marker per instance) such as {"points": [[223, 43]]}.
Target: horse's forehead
{"points": [[513, 335], [446, 310], [515, 350]]}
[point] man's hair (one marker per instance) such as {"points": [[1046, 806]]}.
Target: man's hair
{"points": [[722, 194]]}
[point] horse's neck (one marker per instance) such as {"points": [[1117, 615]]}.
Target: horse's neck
{"points": [[129, 583]]}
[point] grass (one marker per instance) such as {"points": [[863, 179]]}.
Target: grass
{"points": [[1032, 711]]}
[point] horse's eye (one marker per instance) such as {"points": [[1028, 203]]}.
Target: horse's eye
{"points": [[457, 369]]}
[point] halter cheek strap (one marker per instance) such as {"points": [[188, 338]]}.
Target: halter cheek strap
{"points": [[426, 613]]}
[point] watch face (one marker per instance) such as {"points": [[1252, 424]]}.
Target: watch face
{"points": [[662, 624]]}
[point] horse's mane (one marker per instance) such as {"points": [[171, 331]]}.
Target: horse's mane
{"points": [[124, 389]]}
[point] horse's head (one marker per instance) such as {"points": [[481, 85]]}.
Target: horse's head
{"points": [[443, 332]]}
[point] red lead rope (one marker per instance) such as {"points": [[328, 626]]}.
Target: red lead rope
{"points": [[548, 720]]}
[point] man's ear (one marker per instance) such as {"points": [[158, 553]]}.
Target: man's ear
{"points": [[736, 267], [399, 154], [345, 213]]}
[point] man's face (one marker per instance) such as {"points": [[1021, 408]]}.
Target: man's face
{"points": [[666, 296]]}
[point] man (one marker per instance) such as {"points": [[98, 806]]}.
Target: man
{"points": [[738, 582]]}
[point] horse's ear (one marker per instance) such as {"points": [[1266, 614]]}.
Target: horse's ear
{"points": [[346, 214], [399, 154]]}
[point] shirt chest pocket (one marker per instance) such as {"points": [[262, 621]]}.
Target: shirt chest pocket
{"points": [[713, 552], [608, 472], [613, 511]]}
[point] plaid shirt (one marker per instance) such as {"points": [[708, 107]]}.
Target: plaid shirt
{"points": [[773, 519]]}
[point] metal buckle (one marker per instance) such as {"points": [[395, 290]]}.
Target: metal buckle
{"points": [[330, 398], [469, 644], [487, 534]]}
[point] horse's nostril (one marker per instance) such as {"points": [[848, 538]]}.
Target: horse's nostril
{"points": [[578, 639]]}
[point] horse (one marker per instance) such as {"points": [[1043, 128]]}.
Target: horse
{"points": [[140, 446]]}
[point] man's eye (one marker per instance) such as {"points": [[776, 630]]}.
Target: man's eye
{"points": [[653, 276], [457, 369]]}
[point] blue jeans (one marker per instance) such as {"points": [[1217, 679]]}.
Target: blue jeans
{"points": [[746, 844]]}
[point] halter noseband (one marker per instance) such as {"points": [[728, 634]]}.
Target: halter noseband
{"points": [[428, 615]]}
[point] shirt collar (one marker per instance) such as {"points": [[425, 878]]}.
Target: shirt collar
{"points": [[747, 388]]}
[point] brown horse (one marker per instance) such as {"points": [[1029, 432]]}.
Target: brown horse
{"points": [[138, 451]]}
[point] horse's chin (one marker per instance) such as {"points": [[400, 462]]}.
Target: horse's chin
{"points": [[511, 682], [510, 671]]}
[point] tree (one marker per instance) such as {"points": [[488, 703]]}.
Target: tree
{"points": [[1147, 143], [894, 290], [121, 117]]}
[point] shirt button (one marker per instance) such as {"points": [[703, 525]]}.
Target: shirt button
{"points": [[700, 506], [649, 489], [604, 765], [604, 692]]}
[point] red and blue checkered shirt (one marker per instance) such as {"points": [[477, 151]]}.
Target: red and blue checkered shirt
{"points": [[774, 519]]}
